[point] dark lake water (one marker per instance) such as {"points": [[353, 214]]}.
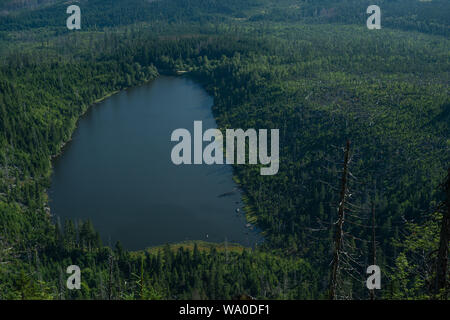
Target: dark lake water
{"points": [[117, 171]]}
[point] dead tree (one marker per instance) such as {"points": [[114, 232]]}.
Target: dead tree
{"points": [[339, 225], [442, 261], [110, 278], [374, 248]]}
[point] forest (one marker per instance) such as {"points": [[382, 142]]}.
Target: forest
{"points": [[311, 69]]}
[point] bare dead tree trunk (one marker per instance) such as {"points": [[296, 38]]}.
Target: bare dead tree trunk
{"points": [[374, 248], [110, 277], [442, 261], [141, 286], [340, 223]]}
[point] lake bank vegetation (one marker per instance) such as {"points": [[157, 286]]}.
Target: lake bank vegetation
{"points": [[321, 82]]}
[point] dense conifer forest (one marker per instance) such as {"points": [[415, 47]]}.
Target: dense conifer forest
{"points": [[311, 69]]}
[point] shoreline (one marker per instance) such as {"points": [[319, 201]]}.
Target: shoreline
{"points": [[249, 216]]}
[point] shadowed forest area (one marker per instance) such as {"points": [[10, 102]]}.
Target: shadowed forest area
{"points": [[364, 119]]}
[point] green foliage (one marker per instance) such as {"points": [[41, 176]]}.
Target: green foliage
{"points": [[414, 271], [319, 83]]}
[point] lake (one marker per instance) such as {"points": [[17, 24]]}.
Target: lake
{"points": [[117, 172]]}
